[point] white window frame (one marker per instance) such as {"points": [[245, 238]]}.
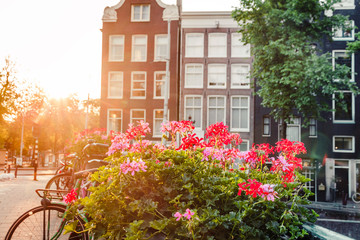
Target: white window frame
{"points": [[214, 53], [263, 125], [247, 129], [352, 79], [154, 112], [193, 107], [111, 45], [157, 80], [344, 151], [224, 66], [132, 85], [134, 120], [122, 85], [108, 119], [137, 45], [291, 125], [236, 43], [352, 109], [243, 84], [186, 75], [315, 126], [156, 57], [189, 44], [141, 13], [352, 38], [345, 4], [208, 108], [247, 144]]}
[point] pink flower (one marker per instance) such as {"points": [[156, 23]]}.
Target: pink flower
{"points": [[71, 196], [188, 214], [178, 216], [133, 167]]}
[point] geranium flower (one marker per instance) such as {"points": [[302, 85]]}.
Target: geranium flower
{"points": [[71, 196], [188, 214], [178, 216]]}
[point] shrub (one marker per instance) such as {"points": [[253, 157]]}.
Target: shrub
{"points": [[198, 190]]}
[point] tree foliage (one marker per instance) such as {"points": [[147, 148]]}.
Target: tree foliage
{"points": [[292, 76]]}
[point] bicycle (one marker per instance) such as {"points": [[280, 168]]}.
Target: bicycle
{"points": [[48, 220], [356, 197]]}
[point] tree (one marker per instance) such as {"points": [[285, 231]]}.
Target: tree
{"points": [[292, 77]]}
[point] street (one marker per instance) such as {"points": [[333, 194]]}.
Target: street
{"points": [[17, 196]]}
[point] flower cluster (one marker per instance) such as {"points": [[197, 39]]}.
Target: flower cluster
{"points": [[254, 188], [133, 166], [71, 196], [188, 214], [192, 142], [218, 136], [137, 131]]}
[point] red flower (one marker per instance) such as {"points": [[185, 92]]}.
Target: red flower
{"points": [[71, 196]]}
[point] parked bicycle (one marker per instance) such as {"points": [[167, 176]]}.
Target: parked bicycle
{"points": [[47, 221], [63, 180], [356, 197]]}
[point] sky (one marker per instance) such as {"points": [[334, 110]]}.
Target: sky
{"points": [[57, 44]]}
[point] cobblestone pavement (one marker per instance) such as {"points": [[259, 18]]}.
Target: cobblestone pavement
{"points": [[16, 197]]}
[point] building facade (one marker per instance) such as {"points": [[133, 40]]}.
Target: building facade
{"points": [[215, 81], [134, 59]]}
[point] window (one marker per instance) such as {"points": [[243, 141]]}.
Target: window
{"points": [[345, 4], [244, 146], [194, 45], [194, 76], [216, 109], [158, 119], [116, 48], [238, 49], [161, 47], [137, 115], [159, 85], [138, 85], [115, 89], [266, 126], [293, 130], [193, 110], [345, 33], [217, 45], [341, 57], [114, 120], [139, 48], [217, 75], [140, 13], [343, 144], [239, 113], [240, 76], [312, 127], [341, 115]]}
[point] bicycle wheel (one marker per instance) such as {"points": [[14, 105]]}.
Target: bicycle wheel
{"points": [[33, 226], [356, 197], [62, 181]]}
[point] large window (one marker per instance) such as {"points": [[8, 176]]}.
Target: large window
{"points": [[139, 48], [160, 47], [217, 45], [194, 45], [115, 89], [217, 75], [114, 120], [240, 113], [158, 119], [138, 85], [116, 48], [238, 49], [140, 13], [346, 113], [293, 130], [194, 75], [341, 57], [137, 115], [344, 33], [193, 110], [345, 4], [343, 144], [216, 109], [159, 85], [240, 76]]}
